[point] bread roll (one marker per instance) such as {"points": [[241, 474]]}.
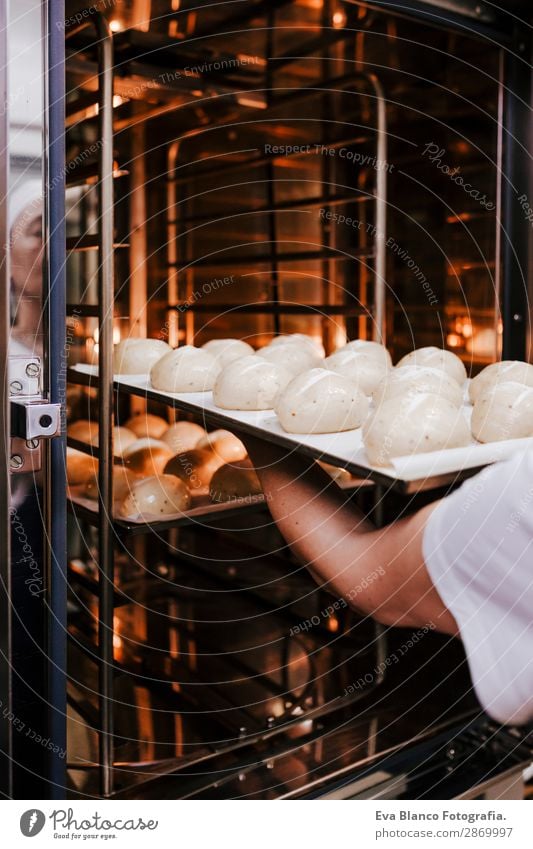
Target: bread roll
{"points": [[145, 442], [137, 356], [123, 437], [507, 370], [225, 351], [414, 424], [228, 447], [365, 370], [321, 401], [81, 468], [301, 339], [147, 461], [405, 380], [371, 349], [293, 356], [186, 369], [84, 431], [195, 468], [503, 411], [156, 497], [436, 358], [123, 480], [145, 425], [252, 383], [234, 482], [182, 436]]}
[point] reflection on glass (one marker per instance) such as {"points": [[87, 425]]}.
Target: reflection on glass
{"points": [[26, 255]]}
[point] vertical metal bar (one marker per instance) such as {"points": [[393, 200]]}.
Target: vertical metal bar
{"points": [[498, 235], [380, 290], [172, 245], [271, 175], [516, 188], [105, 411], [6, 727], [56, 362]]}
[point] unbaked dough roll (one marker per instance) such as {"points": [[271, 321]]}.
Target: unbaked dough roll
{"points": [[321, 401], [149, 460], [123, 480], [405, 380], [228, 447], [123, 437], [293, 356], [301, 339], [186, 369], [252, 383], [372, 349], [415, 424], [137, 356], [507, 370], [436, 358], [156, 497], [195, 468], [503, 411], [81, 467], [84, 431], [226, 351], [234, 482], [145, 425], [364, 370], [182, 436]]}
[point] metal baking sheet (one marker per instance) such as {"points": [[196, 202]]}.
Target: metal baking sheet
{"points": [[346, 450], [203, 511]]}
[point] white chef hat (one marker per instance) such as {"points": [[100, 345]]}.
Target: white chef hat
{"points": [[24, 196]]}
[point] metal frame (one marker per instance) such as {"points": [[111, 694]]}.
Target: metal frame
{"points": [[55, 378], [106, 397], [6, 727]]}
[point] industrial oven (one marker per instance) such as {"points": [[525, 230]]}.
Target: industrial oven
{"points": [[188, 171]]}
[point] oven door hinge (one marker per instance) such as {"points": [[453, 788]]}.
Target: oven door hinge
{"points": [[33, 418]]}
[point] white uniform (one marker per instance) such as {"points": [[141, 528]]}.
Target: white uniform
{"points": [[478, 548]]}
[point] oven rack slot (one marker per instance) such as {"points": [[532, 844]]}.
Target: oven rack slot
{"points": [[287, 206]]}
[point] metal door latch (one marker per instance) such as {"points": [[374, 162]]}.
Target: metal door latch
{"points": [[33, 418]]}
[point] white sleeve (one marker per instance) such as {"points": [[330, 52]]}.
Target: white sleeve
{"points": [[478, 548]]}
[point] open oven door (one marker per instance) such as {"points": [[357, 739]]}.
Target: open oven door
{"points": [[32, 355]]}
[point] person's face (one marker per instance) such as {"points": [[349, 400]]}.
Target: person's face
{"points": [[27, 250]]}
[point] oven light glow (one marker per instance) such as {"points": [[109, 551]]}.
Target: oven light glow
{"points": [[115, 25], [339, 19], [453, 340]]}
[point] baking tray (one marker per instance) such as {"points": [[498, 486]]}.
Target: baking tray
{"points": [[202, 512], [407, 474]]}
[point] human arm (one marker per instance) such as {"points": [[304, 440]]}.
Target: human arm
{"points": [[343, 549]]}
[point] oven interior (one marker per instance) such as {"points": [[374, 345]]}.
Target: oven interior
{"points": [[281, 166]]}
